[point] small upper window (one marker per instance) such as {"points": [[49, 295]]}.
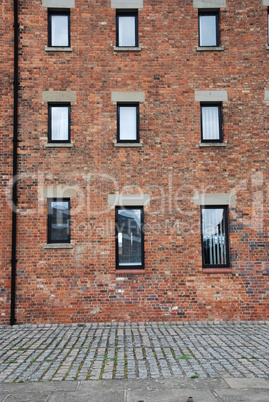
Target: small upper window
{"points": [[215, 244], [59, 28], [128, 122], [59, 220], [211, 122], [127, 29], [59, 123], [209, 28], [129, 237]]}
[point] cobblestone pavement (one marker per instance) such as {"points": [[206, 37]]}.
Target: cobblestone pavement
{"points": [[143, 350]]}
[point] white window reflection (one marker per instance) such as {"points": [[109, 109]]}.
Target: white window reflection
{"points": [[59, 123], [126, 30], [128, 123], [59, 30], [208, 30], [210, 123]]}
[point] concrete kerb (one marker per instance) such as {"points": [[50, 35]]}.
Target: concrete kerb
{"points": [[168, 390]]}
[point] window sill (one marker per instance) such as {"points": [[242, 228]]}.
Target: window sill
{"points": [[210, 48], [128, 145], [217, 270], [59, 145], [267, 47], [212, 144], [58, 246], [127, 49], [125, 272], [58, 49]]}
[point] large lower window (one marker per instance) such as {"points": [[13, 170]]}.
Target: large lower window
{"points": [[59, 123], [128, 122], [209, 29], [127, 29], [129, 237], [215, 243], [211, 122], [59, 28], [59, 220]]}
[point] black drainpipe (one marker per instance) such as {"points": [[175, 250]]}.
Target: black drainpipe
{"points": [[15, 165]]}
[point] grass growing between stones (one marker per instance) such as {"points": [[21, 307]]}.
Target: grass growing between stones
{"points": [[183, 357], [115, 363], [191, 352]]}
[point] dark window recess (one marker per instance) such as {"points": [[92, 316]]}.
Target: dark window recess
{"points": [[127, 28], [59, 123], [128, 122], [209, 33], [215, 242], [129, 238], [59, 220], [58, 28], [211, 122]]}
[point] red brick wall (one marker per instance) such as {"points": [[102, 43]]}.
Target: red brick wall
{"points": [[81, 285], [6, 135]]}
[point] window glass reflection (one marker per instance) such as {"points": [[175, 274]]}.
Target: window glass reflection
{"points": [[214, 236], [210, 123], [128, 124], [126, 31], [59, 30], [59, 123], [208, 30], [129, 237], [59, 221]]}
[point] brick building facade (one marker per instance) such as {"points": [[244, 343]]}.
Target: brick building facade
{"points": [[152, 115]]}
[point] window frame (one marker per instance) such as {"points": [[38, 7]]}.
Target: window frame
{"points": [[49, 240], [212, 104], [59, 104], [267, 26], [128, 267], [207, 13], [226, 225], [127, 13], [59, 12], [128, 104]]}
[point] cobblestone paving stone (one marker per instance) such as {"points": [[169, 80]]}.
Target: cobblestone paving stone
{"points": [[142, 350]]}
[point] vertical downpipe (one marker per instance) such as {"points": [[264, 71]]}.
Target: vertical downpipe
{"points": [[15, 165]]}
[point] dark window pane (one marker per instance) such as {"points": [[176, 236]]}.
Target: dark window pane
{"points": [[129, 237], [210, 123], [128, 123], [214, 236], [208, 30], [59, 123], [59, 30], [59, 221]]}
